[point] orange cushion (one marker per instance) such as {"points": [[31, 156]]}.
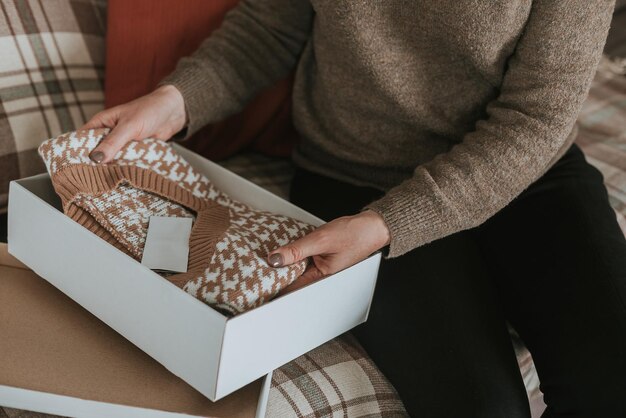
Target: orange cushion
{"points": [[145, 39]]}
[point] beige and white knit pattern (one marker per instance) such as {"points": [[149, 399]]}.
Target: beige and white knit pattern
{"points": [[126, 212], [229, 241]]}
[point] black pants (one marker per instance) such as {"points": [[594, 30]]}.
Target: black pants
{"points": [[552, 263]]}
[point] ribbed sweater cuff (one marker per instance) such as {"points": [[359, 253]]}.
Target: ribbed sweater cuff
{"points": [[191, 81], [414, 217]]}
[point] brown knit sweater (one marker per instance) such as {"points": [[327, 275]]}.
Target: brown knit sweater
{"points": [[452, 107]]}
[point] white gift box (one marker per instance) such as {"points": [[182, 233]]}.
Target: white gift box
{"points": [[57, 358], [213, 353]]}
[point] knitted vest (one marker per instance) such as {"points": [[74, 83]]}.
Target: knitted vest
{"points": [[229, 241]]}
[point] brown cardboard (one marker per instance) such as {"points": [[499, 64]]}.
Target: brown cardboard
{"points": [[51, 344], [8, 260]]}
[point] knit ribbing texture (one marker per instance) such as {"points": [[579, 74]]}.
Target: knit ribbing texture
{"points": [[229, 241]]}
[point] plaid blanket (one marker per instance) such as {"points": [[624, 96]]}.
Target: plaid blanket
{"points": [[336, 379], [51, 75]]}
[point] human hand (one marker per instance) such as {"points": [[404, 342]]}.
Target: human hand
{"points": [[333, 247], [159, 115]]}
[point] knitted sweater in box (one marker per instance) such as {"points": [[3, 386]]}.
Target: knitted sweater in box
{"points": [[229, 241], [452, 107]]}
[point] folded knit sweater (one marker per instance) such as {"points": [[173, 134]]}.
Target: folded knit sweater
{"points": [[451, 107], [229, 240]]}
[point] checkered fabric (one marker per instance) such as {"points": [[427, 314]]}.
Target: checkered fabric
{"points": [[51, 77], [337, 379]]}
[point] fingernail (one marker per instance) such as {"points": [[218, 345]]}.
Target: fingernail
{"points": [[276, 260], [97, 156]]}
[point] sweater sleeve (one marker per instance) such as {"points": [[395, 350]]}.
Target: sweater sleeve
{"points": [[258, 43], [527, 125]]}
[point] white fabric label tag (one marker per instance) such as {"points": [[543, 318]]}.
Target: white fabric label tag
{"points": [[167, 244]]}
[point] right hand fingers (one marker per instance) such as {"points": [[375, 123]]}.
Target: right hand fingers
{"points": [[111, 144]]}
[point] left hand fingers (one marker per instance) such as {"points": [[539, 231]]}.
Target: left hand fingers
{"points": [[334, 246], [307, 246]]}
